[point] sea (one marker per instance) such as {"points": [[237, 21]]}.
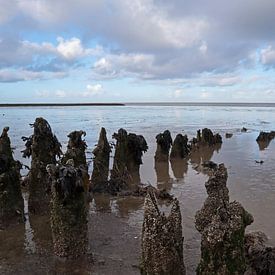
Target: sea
{"points": [[115, 223]]}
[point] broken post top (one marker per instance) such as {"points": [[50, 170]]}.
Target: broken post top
{"points": [[164, 142], [129, 147], [76, 149], [76, 141], [43, 144], [222, 226], [162, 240], [151, 208], [103, 145], [67, 180], [180, 148], [5, 149], [206, 137]]}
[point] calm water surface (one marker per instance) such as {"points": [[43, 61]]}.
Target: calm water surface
{"points": [[115, 223]]}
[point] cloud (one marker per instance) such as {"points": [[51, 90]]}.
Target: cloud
{"points": [[141, 39], [93, 90], [60, 93], [178, 93], [205, 94], [72, 48], [125, 65], [42, 93], [17, 75], [267, 56], [31, 58]]}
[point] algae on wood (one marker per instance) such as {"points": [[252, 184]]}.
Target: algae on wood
{"points": [[101, 161], [222, 226], [162, 241], [43, 147], [11, 200], [68, 210]]}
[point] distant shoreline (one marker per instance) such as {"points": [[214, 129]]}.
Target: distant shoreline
{"points": [[58, 104], [206, 104]]}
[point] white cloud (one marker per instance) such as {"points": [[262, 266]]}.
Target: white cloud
{"points": [[93, 90], [203, 48], [204, 94], [60, 93], [125, 65], [221, 80], [178, 93], [268, 55], [18, 75], [42, 93], [12, 75], [71, 48], [144, 39]]}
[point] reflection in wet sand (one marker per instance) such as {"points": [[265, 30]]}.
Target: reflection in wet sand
{"points": [[30, 245], [179, 167], [203, 153], [164, 180], [134, 178], [41, 229], [263, 144], [63, 266], [129, 204], [102, 202]]}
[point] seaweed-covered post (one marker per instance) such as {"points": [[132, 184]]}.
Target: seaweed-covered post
{"points": [[68, 210], [162, 241], [76, 155], [101, 162], [206, 137], [180, 148], [260, 257], [222, 226], [164, 142], [128, 157], [11, 200], [76, 149], [44, 148]]}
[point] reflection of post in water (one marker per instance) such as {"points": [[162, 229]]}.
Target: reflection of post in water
{"points": [[162, 172], [164, 142], [62, 266], [129, 204], [134, 177], [204, 153], [29, 243], [180, 150], [179, 167], [263, 145], [264, 139], [102, 202]]}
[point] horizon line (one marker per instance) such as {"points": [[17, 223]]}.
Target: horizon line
{"points": [[236, 104]]}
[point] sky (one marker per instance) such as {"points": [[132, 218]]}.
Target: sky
{"points": [[137, 51]]}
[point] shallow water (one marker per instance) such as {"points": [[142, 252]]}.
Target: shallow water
{"points": [[115, 223]]}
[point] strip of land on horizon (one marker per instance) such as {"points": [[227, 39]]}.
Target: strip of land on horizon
{"points": [[213, 104]]}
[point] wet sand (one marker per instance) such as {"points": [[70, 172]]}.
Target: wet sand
{"points": [[115, 223]]}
